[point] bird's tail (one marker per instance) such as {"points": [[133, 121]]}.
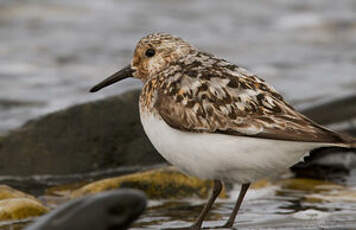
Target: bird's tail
{"points": [[351, 142], [348, 142]]}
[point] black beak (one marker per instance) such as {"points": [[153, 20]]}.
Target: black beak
{"points": [[118, 76]]}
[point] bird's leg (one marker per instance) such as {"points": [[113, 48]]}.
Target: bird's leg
{"points": [[232, 217], [198, 223], [216, 191]]}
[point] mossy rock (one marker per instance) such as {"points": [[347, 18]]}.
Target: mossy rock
{"points": [[332, 196], [20, 208], [260, 184], [6, 192], [164, 183], [309, 185], [64, 190]]}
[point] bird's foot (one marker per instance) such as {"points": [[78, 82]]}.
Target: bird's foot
{"points": [[193, 227], [184, 228], [225, 226], [220, 227]]}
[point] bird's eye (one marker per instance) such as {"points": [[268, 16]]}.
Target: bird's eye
{"points": [[150, 53]]}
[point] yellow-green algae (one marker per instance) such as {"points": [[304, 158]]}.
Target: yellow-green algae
{"points": [[318, 191], [64, 190], [263, 183], [7, 192], [309, 185], [347, 195], [20, 208], [164, 183]]}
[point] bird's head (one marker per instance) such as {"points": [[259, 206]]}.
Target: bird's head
{"points": [[153, 54]]}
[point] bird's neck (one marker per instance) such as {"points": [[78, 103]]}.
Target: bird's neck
{"points": [[149, 93]]}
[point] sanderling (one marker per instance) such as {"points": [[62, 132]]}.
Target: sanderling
{"points": [[216, 120]]}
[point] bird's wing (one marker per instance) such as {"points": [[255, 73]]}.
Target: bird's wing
{"points": [[224, 98]]}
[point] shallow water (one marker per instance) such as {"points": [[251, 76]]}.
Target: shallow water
{"points": [[262, 209], [53, 51]]}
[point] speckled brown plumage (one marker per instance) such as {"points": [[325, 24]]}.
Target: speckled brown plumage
{"points": [[199, 92], [215, 120]]}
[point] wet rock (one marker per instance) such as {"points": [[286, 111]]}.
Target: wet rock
{"points": [[162, 183], [309, 185], [108, 210], [15, 205], [64, 190], [331, 163], [6, 192], [20, 208], [261, 184], [84, 138], [342, 110], [346, 195]]}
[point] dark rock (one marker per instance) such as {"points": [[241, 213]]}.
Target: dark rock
{"points": [[330, 163], [93, 136], [351, 131], [108, 210], [332, 112], [8, 103]]}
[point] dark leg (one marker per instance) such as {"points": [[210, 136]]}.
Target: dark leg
{"points": [[216, 191], [198, 223], [231, 219]]}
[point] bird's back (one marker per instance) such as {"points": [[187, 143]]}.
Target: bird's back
{"points": [[202, 93]]}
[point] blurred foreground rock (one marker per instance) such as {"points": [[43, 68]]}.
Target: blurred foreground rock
{"points": [[164, 183], [108, 210], [84, 138], [16, 205]]}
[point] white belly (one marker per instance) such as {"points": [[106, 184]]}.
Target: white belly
{"points": [[217, 156]]}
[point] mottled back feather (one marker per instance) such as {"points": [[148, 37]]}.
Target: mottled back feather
{"points": [[202, 93]]}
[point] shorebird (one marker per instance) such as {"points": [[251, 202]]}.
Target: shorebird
{"points": [[215, 120]]}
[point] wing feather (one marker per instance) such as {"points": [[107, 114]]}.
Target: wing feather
{"points": [[220, 97]]}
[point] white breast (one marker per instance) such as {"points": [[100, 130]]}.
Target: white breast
{"points": [[218, 156]]}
